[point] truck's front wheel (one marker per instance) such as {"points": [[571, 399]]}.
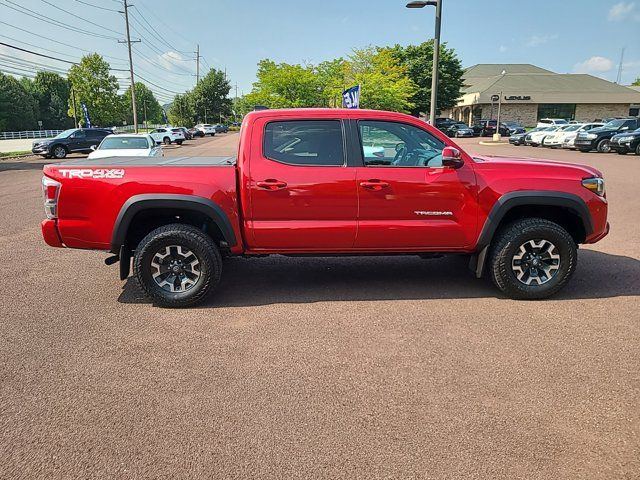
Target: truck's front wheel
{"points": [[177, 265], [533, 259]]}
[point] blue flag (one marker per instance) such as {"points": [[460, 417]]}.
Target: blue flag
{"points": [[351, 97], [87, 118]]}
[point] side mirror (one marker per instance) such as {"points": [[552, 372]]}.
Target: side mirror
{"points": [[451, 157], [94, 147]]}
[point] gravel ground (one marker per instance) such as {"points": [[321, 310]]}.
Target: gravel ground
{"points": [[368, 367]]}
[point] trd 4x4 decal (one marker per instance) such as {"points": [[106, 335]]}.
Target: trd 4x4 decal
{"points": [[92, 173]]}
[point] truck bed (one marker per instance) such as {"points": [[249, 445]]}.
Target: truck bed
{"points": [[150, 162]]}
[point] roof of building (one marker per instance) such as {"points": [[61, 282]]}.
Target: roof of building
{"points": [[542, 86]]}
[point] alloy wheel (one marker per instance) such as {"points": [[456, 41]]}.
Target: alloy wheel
{"points": [[175, 269], [535, 262]]}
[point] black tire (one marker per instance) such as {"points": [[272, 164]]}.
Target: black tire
{"points": [[604, 146], [621, 152], [59, 152], [638, 149], [189, 239], [517, 235], [179, 142], [583, 150], [166, 141]]}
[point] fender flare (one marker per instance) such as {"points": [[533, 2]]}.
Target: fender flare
{"points": [[140, 203], [542, 198]]}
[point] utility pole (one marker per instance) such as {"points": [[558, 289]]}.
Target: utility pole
{"points": [[144, 102], [619, 77], [436, 59], [73, 99], [197, 63], [133, 82]]}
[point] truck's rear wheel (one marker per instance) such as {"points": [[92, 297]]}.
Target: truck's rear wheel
{"points": [[533, 259], [177, 265]]}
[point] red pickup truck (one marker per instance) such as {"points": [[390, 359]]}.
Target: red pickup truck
{"points": [[326, 182]]}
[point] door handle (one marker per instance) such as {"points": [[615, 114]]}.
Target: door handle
{"points": [[272, 185], [375, 185]]}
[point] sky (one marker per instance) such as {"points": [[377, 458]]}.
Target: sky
{"points": [[565, 36]]}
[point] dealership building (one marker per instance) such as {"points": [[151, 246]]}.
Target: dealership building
{"points": [[529, 93]]}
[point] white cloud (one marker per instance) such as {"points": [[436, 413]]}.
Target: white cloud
{"points": [[620, 11], [503, 48], [537, 40], [174, 61], [595, 65]]}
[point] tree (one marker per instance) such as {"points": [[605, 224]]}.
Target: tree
{"points": [[93, 85], [383, 80], [143, 96], [285, 86], [636, 83], [17, 106], [418, 59], [51, 92], [209, 96], [181, 111]]}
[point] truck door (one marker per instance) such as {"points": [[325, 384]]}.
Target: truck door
{"points": [[407, 199], [303, 194]]}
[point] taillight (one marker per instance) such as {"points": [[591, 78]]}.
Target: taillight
{"points": [[50, 192]]}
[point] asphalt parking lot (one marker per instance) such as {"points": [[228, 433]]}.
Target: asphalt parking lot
{"points": [[391, 367]]}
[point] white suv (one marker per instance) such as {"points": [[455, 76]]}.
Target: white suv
{"points": [[206, 129], [167, 135], [551, 122]]}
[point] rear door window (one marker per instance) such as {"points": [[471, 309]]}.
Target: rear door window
{"points": [[305, 142]]}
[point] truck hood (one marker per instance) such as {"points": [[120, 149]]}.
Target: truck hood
{"points": [[511, 163]]}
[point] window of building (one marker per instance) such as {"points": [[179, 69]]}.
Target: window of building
{"points": [[305, 142], [557, 110]]}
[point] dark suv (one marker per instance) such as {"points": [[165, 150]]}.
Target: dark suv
{"points": [[626, 142], [75, 140], [486, 128], [600, 138]]}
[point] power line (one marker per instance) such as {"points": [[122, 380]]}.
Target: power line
{"points": [[97, 6], [80, 18], [153, 31], [51, 21], [168, 27], [58, 42]]}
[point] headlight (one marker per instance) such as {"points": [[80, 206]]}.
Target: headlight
{"points": [[591, 136], [596, 185]]}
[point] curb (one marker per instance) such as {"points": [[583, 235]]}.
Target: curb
{"points": [[493, 143]]}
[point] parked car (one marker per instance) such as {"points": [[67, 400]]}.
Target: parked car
{"points": [[206, 129], [600, 138], [177, 223], [569, 137], [126, 145], [74, 140], [443, 123], [551, 122], [514, 128], [535, 138], [486, 128], [167, 135], [459, 130], [187, 134], [624, 143], [221, 128], [195, 132], [519, 138], [555, 139]]}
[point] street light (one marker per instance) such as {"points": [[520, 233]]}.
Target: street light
{"points": [[436, 52]]}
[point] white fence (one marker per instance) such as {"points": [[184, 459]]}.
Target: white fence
{"points": [[29, 134]]}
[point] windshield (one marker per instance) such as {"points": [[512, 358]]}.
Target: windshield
{"points": [[614, 123], [124, 143], [66, 133], [572, 128], [511, 124], [561, 122]]}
